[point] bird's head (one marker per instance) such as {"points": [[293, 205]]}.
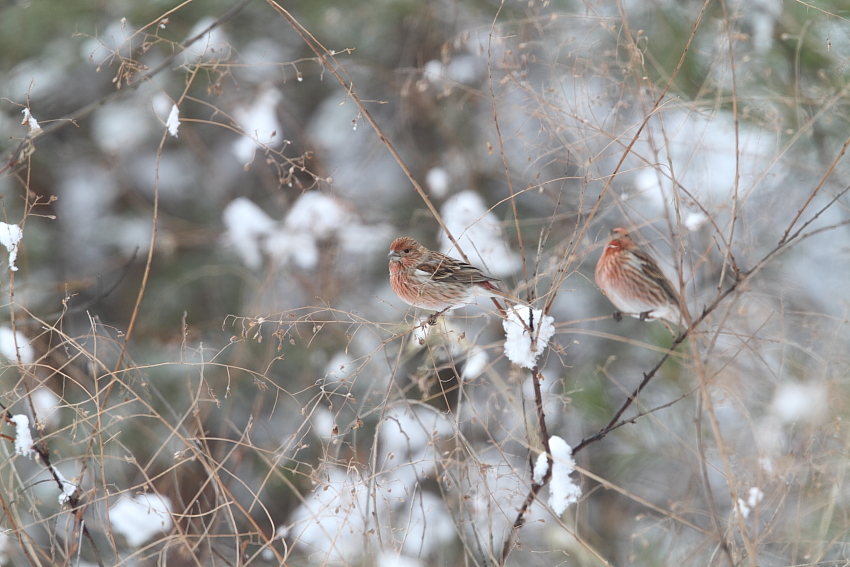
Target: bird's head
{"points": [[620, 240], [404, 248]]}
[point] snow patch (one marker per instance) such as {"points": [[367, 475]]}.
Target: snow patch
{"points": [[140, 518], [259, 123], [755, 496], [438, 180], [478, 233], [800, 401], [10, 237], [173, 122], [30, 122], [7, 346], [23, 436], [541, 467], [521, 347], [562, 490]]}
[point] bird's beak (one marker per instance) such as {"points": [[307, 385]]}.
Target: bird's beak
{"points": [[394, 256]]}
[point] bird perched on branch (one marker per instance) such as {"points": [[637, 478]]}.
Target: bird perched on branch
{"points": [[634, 283], [431, 280]]}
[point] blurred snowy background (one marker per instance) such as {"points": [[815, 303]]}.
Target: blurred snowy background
{"points": [[267, 400]]}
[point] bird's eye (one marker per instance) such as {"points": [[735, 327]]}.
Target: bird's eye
{"points": [[407, 250]]}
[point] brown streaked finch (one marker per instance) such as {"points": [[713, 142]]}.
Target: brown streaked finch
{"points": [[634, 283], [430, 280]]}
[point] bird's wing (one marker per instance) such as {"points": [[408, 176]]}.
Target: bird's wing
{"points": [[443, 268], [652, 270]]}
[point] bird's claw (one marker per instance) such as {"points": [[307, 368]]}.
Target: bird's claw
{"points": [[618, 316], [432, 318], [645, 315]]}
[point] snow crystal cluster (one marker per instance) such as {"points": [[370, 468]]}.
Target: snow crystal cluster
{"points": [[754, 498], [562, 490], [10, 237], [173, 122], [521, 346], [23, 436], [312, 218], [68, 488]]}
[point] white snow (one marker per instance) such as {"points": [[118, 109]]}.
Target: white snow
{"points": [[755, 495], [23, 436], [541, 467], [313, 217], [10, 237], [122, 127], [68, 488], [562, 490], [437, 180], [7, 346], [393, 559], [211, 43], [140, 518], [317, 214], [46, 406], [247, 225], [339, 367], [795, 401], [259, 123], [476, 361], [479, 233], [523, 348], [30, 122], [694, 220], [4, 545], [173, 122]]}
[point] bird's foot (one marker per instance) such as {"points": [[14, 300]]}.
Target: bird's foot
{"points": [[645, 315], [432, 318], [618, 316]]}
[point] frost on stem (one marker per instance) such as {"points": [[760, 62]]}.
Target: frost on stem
{"points": [[23, 437], [173, 122], [755, 497], [562, 490], [30, 122], [69, 489], [521, 347], [10, 237], [541, 467]]}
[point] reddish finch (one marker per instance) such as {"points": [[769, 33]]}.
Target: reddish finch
{"points": [[431, 280], [633, 281]]}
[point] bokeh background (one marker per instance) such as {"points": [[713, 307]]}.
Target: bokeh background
{"points": [[208, 345]]}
